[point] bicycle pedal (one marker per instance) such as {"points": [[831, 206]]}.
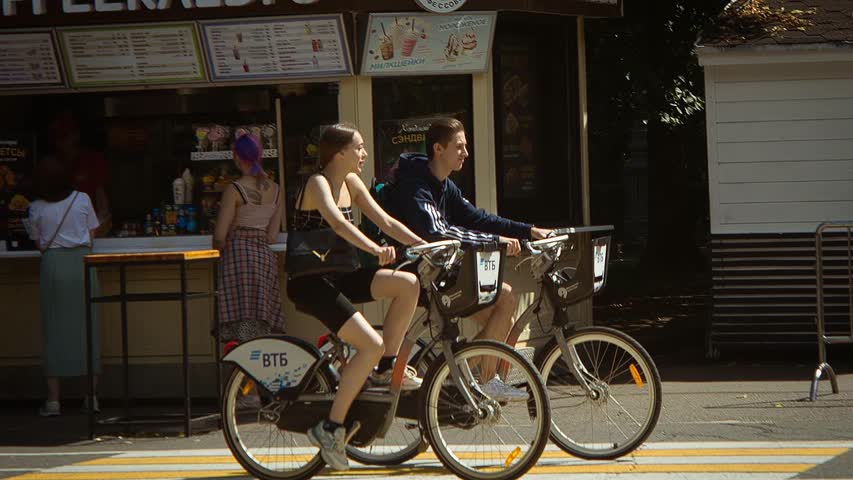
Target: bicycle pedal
{"points": [[356, 426]]}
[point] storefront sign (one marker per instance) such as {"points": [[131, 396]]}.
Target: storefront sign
{"points": [[28, 59], [43, 7], [280, 48], [404, 44], [132, 55], [441, 6], [401, 136]]}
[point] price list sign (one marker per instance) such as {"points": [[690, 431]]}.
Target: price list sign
{"points": [[287, 47], [132, 55], [28, 59]]}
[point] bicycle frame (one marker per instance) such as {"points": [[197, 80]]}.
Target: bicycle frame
{"points": [[462, 377], [558, 325]]}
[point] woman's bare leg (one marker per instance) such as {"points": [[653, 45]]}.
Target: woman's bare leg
{"points": [[361, 335], [402, 288]]}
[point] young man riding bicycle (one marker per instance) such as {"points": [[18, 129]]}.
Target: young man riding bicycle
{"points": [[432, 206]]}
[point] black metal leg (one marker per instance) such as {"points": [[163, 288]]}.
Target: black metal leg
{"points": [[125, 365], [218, 337], [89, 352], [185, 348]]}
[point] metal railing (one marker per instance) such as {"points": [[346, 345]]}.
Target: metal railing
{"points": [[822, 338]]}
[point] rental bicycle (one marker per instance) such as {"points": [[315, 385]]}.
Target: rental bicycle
{"points": [[282, 386], [604, 388], [603, 385]]}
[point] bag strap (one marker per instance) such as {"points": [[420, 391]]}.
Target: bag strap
{"points": [[242, 192], [64, 216], [304, 185]]}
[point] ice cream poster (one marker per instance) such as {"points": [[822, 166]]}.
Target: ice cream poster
{"points": [[406, 44]]}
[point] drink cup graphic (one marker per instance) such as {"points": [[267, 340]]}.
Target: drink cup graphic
{"points": [[236, 52], [245, 66], [410, 39], [386, 47], [239, 37]]}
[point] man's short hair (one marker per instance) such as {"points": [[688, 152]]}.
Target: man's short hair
{"points": [[442, 131]]}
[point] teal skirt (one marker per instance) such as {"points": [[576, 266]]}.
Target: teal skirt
{"points": [[63, 313]]}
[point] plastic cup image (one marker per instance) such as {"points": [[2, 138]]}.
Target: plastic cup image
{"points": [[236, 52], [410, 39], [245, 66], [239, 37], [386, 47]]}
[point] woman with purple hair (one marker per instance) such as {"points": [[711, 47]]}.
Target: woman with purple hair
{"points": [[249, 220]]}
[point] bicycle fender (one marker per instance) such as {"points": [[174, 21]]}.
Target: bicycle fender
{"points": [[275, 362]]}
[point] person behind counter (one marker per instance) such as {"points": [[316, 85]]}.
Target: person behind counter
{"points": [[88, 168], [249, 220], [63, 222]]}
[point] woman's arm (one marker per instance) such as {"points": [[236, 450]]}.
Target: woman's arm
{"points": [[275, 222], [388, 224], [227, 212], [318, 193]]}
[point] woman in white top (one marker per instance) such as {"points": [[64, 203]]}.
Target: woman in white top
{"points": [[62, 222]]}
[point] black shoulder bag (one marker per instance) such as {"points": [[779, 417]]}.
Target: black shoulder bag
{"points": [[317, 252]]}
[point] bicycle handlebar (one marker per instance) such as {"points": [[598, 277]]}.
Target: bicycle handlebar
{"points": [[537, 246]]}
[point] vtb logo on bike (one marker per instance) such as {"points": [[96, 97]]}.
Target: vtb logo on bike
{"points": [[277, 359], [488, 265]]}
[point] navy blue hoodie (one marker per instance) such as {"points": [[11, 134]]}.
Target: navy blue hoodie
{"points": [[436, 210]]}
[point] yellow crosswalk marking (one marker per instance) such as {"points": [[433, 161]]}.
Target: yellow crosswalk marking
{"points": [[421, 471], [693, 452]]}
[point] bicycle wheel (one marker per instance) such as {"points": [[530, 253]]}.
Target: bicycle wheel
{"points": [[404, 440], [500, 439], [622, 407], [249, 424]]}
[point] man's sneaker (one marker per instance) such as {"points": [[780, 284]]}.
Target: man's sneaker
{"points": [[251, 402], [410, 379], [95, 406], [496, 389], [49, 409], [332, 445]]}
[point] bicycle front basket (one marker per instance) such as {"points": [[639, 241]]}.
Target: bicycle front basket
{"points": [[473, 283]]}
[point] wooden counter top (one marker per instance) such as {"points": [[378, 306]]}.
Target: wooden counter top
{"points": [[152, 257]]}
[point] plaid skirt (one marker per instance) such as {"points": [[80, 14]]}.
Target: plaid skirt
{"points": [[250, 293]]}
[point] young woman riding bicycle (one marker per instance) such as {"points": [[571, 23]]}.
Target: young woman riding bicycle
{"points": [[326, 202]]}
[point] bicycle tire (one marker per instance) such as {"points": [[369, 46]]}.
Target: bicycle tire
{"points": [[241, 453], [582, 441], [536, 406], [421, 362]]}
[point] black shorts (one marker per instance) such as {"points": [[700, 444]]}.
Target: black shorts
{"points": [[330, 297]]}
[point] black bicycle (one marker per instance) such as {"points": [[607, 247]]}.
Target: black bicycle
{"points": [[282, 386]]}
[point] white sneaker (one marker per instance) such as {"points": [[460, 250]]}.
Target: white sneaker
{"points": [[250, 402], [95, 406], [332, 445], [49, 409], [496, 389], [410, 379]]}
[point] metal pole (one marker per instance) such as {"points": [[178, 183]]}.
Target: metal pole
{"points": [[185, 348], [89, 351], [124, 343]]}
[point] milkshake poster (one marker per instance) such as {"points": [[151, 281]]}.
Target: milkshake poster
{"points": [[406, 44]]}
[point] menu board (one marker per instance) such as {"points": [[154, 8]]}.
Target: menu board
{"points": [[286, 47], [16, 181], [132, 54], [29, 59], [405, 44], [520, 114]]}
